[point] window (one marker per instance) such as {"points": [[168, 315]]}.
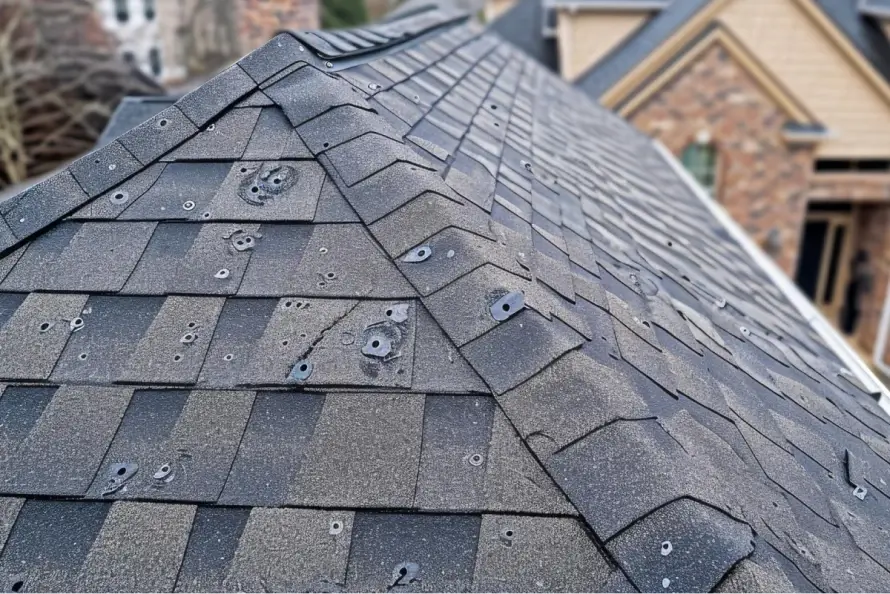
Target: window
{"points": [[149, 6], [129, 58], [701, 161], [121, 10], [154, 61]]}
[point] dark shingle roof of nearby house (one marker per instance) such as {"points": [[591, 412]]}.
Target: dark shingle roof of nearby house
{"points": [[523, 25], [862, 31], [411, 7], [419, 318], [878, 8], [613, 4]]}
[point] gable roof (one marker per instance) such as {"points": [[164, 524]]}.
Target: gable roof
{"points": [[856, 25], [877, 8], [861, 27], [717, 34], [396, 308]]}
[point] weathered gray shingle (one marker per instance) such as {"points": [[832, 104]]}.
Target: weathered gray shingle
{"points": [[289, 314], [377, 465]]}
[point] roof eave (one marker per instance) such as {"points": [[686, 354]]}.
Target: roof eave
{"points": [[807, 136]]}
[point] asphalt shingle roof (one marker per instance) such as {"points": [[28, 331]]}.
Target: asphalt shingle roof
{"points": [[879, 8], [863, 32], [523, 26], [413, 317], [131, 112]]}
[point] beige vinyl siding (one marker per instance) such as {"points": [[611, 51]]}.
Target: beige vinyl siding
{"points": [[816, 71], [586, 36]]}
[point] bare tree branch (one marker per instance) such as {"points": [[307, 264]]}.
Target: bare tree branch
{"points": [[208, 35], [60, 79]]}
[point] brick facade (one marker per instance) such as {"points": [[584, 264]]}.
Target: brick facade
{"points": [[260, 20], [764, 182], [761, 180]]}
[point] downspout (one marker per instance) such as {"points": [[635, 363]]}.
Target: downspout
{"points": [[801, 303]]}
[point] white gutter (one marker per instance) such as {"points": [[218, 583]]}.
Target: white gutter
{"points": [[801, 303]]}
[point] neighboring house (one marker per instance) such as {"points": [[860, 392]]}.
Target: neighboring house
{"points": [[60, 80], [134, 24], [174, 40], [780, 108], [396, 308], [378, 9]]}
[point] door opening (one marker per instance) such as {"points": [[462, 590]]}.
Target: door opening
{"points": [[823, 265]]}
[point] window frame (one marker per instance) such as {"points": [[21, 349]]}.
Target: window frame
{"points": [[701, 160]]}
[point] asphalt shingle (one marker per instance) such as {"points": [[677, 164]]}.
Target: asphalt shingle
{"points": [[291, 550], [377, 466], [281, 335], [62, 451]]}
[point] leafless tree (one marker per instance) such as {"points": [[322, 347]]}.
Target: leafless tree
{"points": [[60, 79], [208, 35]]}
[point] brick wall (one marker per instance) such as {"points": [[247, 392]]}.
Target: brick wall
{"points": [[761, 180], [260, 20], [377, 9]]}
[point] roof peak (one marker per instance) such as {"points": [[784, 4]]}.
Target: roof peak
{"points": [[380, 37], [119, 159]]}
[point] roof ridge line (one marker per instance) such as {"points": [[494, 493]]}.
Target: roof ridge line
{"points": [[69, 189], [337, 91], [47, 202], [422, 174], [341, 44], [354, 166], [428, 181]]}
